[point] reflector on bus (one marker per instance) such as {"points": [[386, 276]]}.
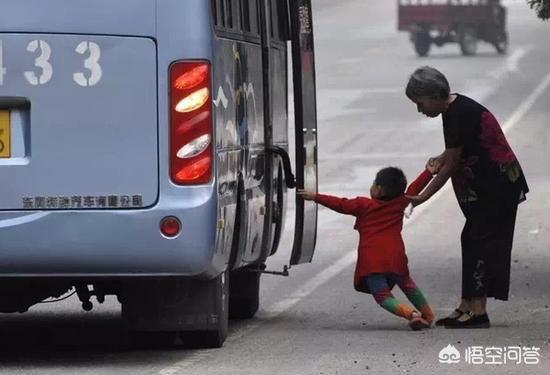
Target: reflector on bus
{"points": [[303, 66]]}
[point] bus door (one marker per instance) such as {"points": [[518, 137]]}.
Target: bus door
{"points": [[275, 16], [303, 68]]}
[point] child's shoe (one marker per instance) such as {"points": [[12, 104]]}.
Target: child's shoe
{"points": [[417, 322], [427, 314]]}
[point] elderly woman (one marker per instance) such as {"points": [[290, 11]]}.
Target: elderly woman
{"points": [[488, 183]]}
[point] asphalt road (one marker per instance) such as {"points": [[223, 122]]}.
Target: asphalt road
{"points": [[313, 322]]}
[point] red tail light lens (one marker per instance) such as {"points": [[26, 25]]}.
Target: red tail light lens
{"points": [[190, 123], [192, 77], [196, 170]]}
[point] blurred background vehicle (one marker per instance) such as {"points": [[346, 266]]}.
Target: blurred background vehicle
{"points": [[453, 21]]}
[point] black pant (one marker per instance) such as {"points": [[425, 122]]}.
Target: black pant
{"points": [[487, 240]]}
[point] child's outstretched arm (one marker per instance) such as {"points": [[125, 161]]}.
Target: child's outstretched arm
{"points": [[421, 182], [341, 205]]}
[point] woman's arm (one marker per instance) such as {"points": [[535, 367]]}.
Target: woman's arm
{"points": [[450, 160]]}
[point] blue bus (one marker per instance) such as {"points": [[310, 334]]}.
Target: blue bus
{"points": [[144, 153]]}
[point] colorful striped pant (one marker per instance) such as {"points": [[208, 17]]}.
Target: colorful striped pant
{"points": [[380, 286]]}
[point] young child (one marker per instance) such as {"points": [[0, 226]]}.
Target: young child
{"points": [[381, 261]]}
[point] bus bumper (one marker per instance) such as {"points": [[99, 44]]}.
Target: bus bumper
{"points": [[109, 243]]}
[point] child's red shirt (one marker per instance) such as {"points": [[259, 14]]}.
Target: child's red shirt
{"points": [[379, 223]]}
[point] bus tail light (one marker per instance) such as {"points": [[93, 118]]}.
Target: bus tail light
{"points": [[192, 77], [190, 123], [193, 101]]}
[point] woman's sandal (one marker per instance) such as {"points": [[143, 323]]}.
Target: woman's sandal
{"points": [[473, 321], [448, 320]]}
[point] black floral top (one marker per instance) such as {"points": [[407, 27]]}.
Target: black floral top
{"points": [[488, 165]]}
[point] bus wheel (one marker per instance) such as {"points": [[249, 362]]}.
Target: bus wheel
{"points": [[501, 43], [202, 339], [422, 42], [468, 41], [214, 331], [244, 297], [154, 309]]}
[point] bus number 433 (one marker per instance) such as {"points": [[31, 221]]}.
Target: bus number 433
{"points": [[44, 69]]}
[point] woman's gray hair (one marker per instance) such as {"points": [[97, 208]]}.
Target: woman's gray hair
{"points": [[427, 82]]}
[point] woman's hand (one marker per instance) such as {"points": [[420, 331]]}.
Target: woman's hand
{"points": [[305, 194], [417, 199], [434, 164]]}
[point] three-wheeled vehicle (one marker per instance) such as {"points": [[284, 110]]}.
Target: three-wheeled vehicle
{"points": [[453, 21]]}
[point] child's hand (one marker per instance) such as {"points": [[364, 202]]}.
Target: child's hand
{"points": [[417, 199], [305, 194], [408, 211]]}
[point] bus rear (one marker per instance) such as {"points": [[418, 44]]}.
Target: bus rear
{"points": [[111, 175], [84, 162]]}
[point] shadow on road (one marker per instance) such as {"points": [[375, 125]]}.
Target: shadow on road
{"points": [[51, 340]]}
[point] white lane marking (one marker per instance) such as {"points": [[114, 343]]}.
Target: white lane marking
{"points": [[514, 2], [310, 286], [526, 105], [481, 89], [512, 63], [180, 366]]}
